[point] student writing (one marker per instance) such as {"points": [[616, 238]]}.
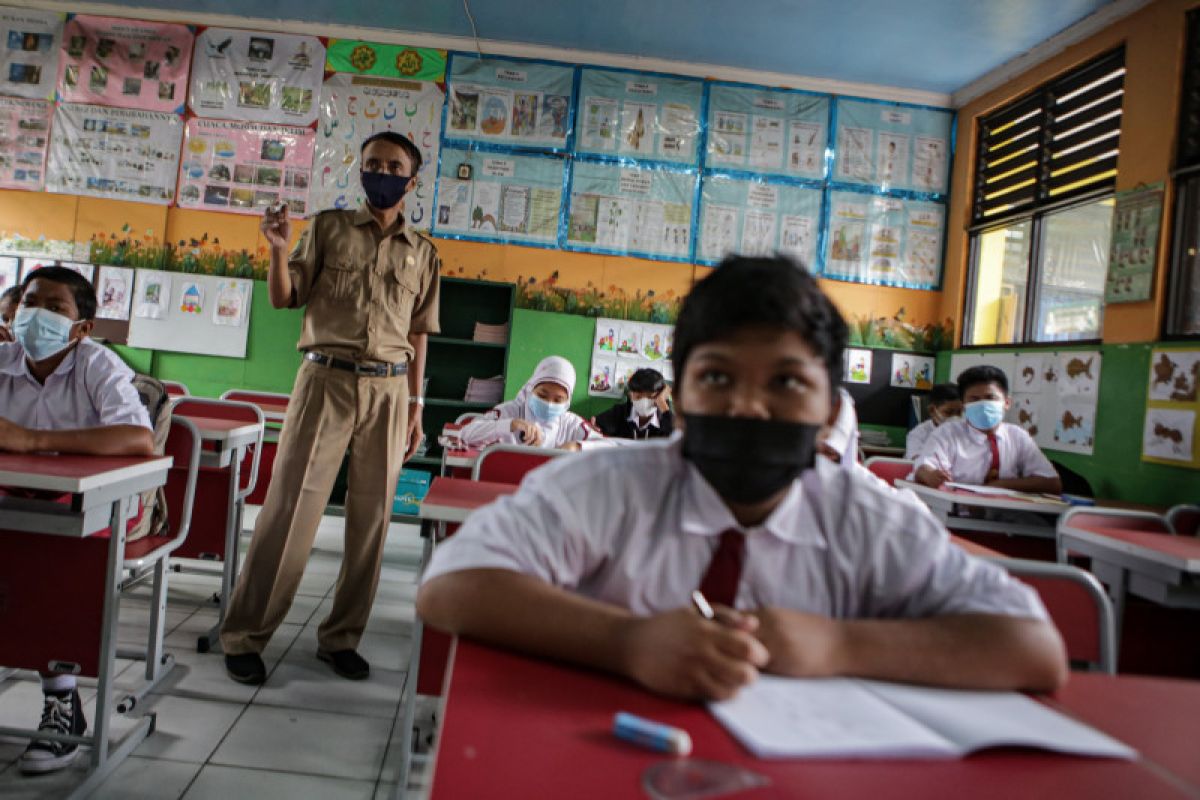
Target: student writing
{"points": [[944, 404]]}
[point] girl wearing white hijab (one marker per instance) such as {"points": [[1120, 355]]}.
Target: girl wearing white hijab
{"points": [[538, 415]]}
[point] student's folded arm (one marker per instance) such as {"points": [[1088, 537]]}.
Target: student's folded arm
{"points": [[480, 431], [109, 440]]}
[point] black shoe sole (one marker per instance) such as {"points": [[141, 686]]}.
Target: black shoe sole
{"points": [[249, 680], [350, 676]]}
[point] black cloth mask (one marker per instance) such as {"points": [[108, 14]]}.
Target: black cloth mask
{"points": [[384, 191], [748, 460]]}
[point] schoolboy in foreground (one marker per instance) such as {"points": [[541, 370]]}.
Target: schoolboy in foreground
{"points": [[982, 448], [61, 392], [817, 570]]}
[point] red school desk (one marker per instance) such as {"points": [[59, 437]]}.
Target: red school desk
{"points": [[521, 727]]}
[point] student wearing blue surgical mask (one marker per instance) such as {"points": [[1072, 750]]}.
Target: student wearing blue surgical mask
{"points": [[981, 448], [646, 414], [538, 416]]}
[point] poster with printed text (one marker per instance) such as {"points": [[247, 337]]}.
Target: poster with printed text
{"points": [[510, 198], [621, 348], [639, 116], [31, 42], [754, 217], [257, 77], [1172, 401], [24, 142], [114, 152], [510, 102], [125, 63], [354, 107], [884, 240], [243, 167], [1133, 252], [645, 210], [767, 131], [893, 145], [114, 292]]}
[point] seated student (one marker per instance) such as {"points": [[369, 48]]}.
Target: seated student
{"points": [[537, 416], [9, 300], [944, 404], [61, 392], [646, 414], [818, 571], [982, 448]]}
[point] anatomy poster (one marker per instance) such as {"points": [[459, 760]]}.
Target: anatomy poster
{"points": [[620, 348], [260, 77], [29, 48], [355, 106], [1172, 401], [24, 141], [243, 167], [114, 291], [125, 63]]}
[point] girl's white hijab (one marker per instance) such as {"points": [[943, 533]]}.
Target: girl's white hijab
{"points": [[552, 369]]}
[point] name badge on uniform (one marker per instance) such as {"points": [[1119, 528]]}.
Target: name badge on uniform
{"points": [[409, 261]]}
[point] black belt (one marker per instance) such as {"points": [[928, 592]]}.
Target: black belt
{"points": [[376, 370]]}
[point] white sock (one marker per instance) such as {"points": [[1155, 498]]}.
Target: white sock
{"points": [[57, 684]]}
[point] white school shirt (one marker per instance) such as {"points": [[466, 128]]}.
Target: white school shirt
{"points": [[964, 452], [91, 388], [917, 437], [495, 427], [636, 527]]}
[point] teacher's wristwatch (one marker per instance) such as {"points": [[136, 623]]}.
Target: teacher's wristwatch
{"points": [[418, 400]]}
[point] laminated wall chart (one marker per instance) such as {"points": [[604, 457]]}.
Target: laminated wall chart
{"points": [[639, 116], [24, 142], [29, 46], [510, 197], [509, 102], [620, 348], [637, 210]]}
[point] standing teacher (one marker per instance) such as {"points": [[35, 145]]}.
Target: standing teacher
{"points": [[369, 288]]}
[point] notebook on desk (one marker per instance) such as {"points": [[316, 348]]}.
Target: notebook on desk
{"points": [[845, 718], [996, 491]]}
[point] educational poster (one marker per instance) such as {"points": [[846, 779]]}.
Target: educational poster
{"points": [[620, 348], [1173, 398], [125, 63], [385, 60], [499, 197], [884, 240], [858, 366], [231, 306], [114, 152], [354, 107], [152, 294], [640, 116], [29, 59], [243, 167], [506, 101], [768, 131], [114, 291], [10, 272], [753, 217], [258, 77], [912, 372], [893, 145], [24, 141], [194, 313], [645, 211], [1134, 248]]}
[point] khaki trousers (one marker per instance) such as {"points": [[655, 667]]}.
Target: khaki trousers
{"points": [[330, 410]]}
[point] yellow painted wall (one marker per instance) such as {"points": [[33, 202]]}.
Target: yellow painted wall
{"points": [[1154, 45]]}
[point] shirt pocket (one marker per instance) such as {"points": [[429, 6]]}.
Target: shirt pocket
{"points": [[341, 280], [403, 286]]}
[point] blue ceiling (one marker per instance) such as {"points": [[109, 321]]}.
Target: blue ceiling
{"points": [[929, 45]]}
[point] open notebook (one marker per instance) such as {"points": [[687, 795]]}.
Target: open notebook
{"points": [[845, 718]]}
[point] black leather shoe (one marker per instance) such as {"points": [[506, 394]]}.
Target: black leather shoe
{"points": [[347, 663], [246, 668]]}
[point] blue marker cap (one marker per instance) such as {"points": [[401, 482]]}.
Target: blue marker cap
{"points": [[653, 735]]}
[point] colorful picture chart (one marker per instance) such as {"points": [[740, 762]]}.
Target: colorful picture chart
{"points": [[1173, 400], [1134, 248], [243, 167], [259, 77], [125, 63], [511, 102], [114, 291], [506, 198], [892, 146], [621, 209], [24, 140], [639, 116], [769, 131], [884, 240], [355, 106], [757, 218], [620, 348], [1055, 397], [911, 371], [30, 43], [114, 152]]}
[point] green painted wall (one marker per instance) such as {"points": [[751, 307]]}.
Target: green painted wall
{"points": [[1115, 468]]}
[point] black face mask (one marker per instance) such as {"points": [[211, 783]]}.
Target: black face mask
{"points": [[384, 191], [748, 460]]}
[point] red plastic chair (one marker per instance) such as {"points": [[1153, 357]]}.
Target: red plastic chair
{"points": [[510, 463], [175, 389], [889, 469], [1184, 520], [270, 445]]}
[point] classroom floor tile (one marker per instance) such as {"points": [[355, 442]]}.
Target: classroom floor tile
{"points": [[222, 783]]}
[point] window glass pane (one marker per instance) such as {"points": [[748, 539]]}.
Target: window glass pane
{"points": [[1074, 263], [1001, 275], [1186, 284]]}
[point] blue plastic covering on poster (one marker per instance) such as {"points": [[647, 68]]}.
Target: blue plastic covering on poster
{"points": [[639, 115], [890, 241], [756, 217], [514, 102], [508, 197], [624, 208], [892, 146], [767, 131]]}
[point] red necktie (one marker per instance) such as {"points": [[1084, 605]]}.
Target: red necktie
{"points": [[994, 469], [720, 582]]}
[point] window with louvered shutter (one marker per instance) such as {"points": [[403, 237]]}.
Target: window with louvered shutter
{"points": [[1183, 318]]}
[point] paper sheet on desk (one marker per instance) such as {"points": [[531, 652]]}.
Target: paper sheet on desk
{"points": [[844, 718], [996, 491]]}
